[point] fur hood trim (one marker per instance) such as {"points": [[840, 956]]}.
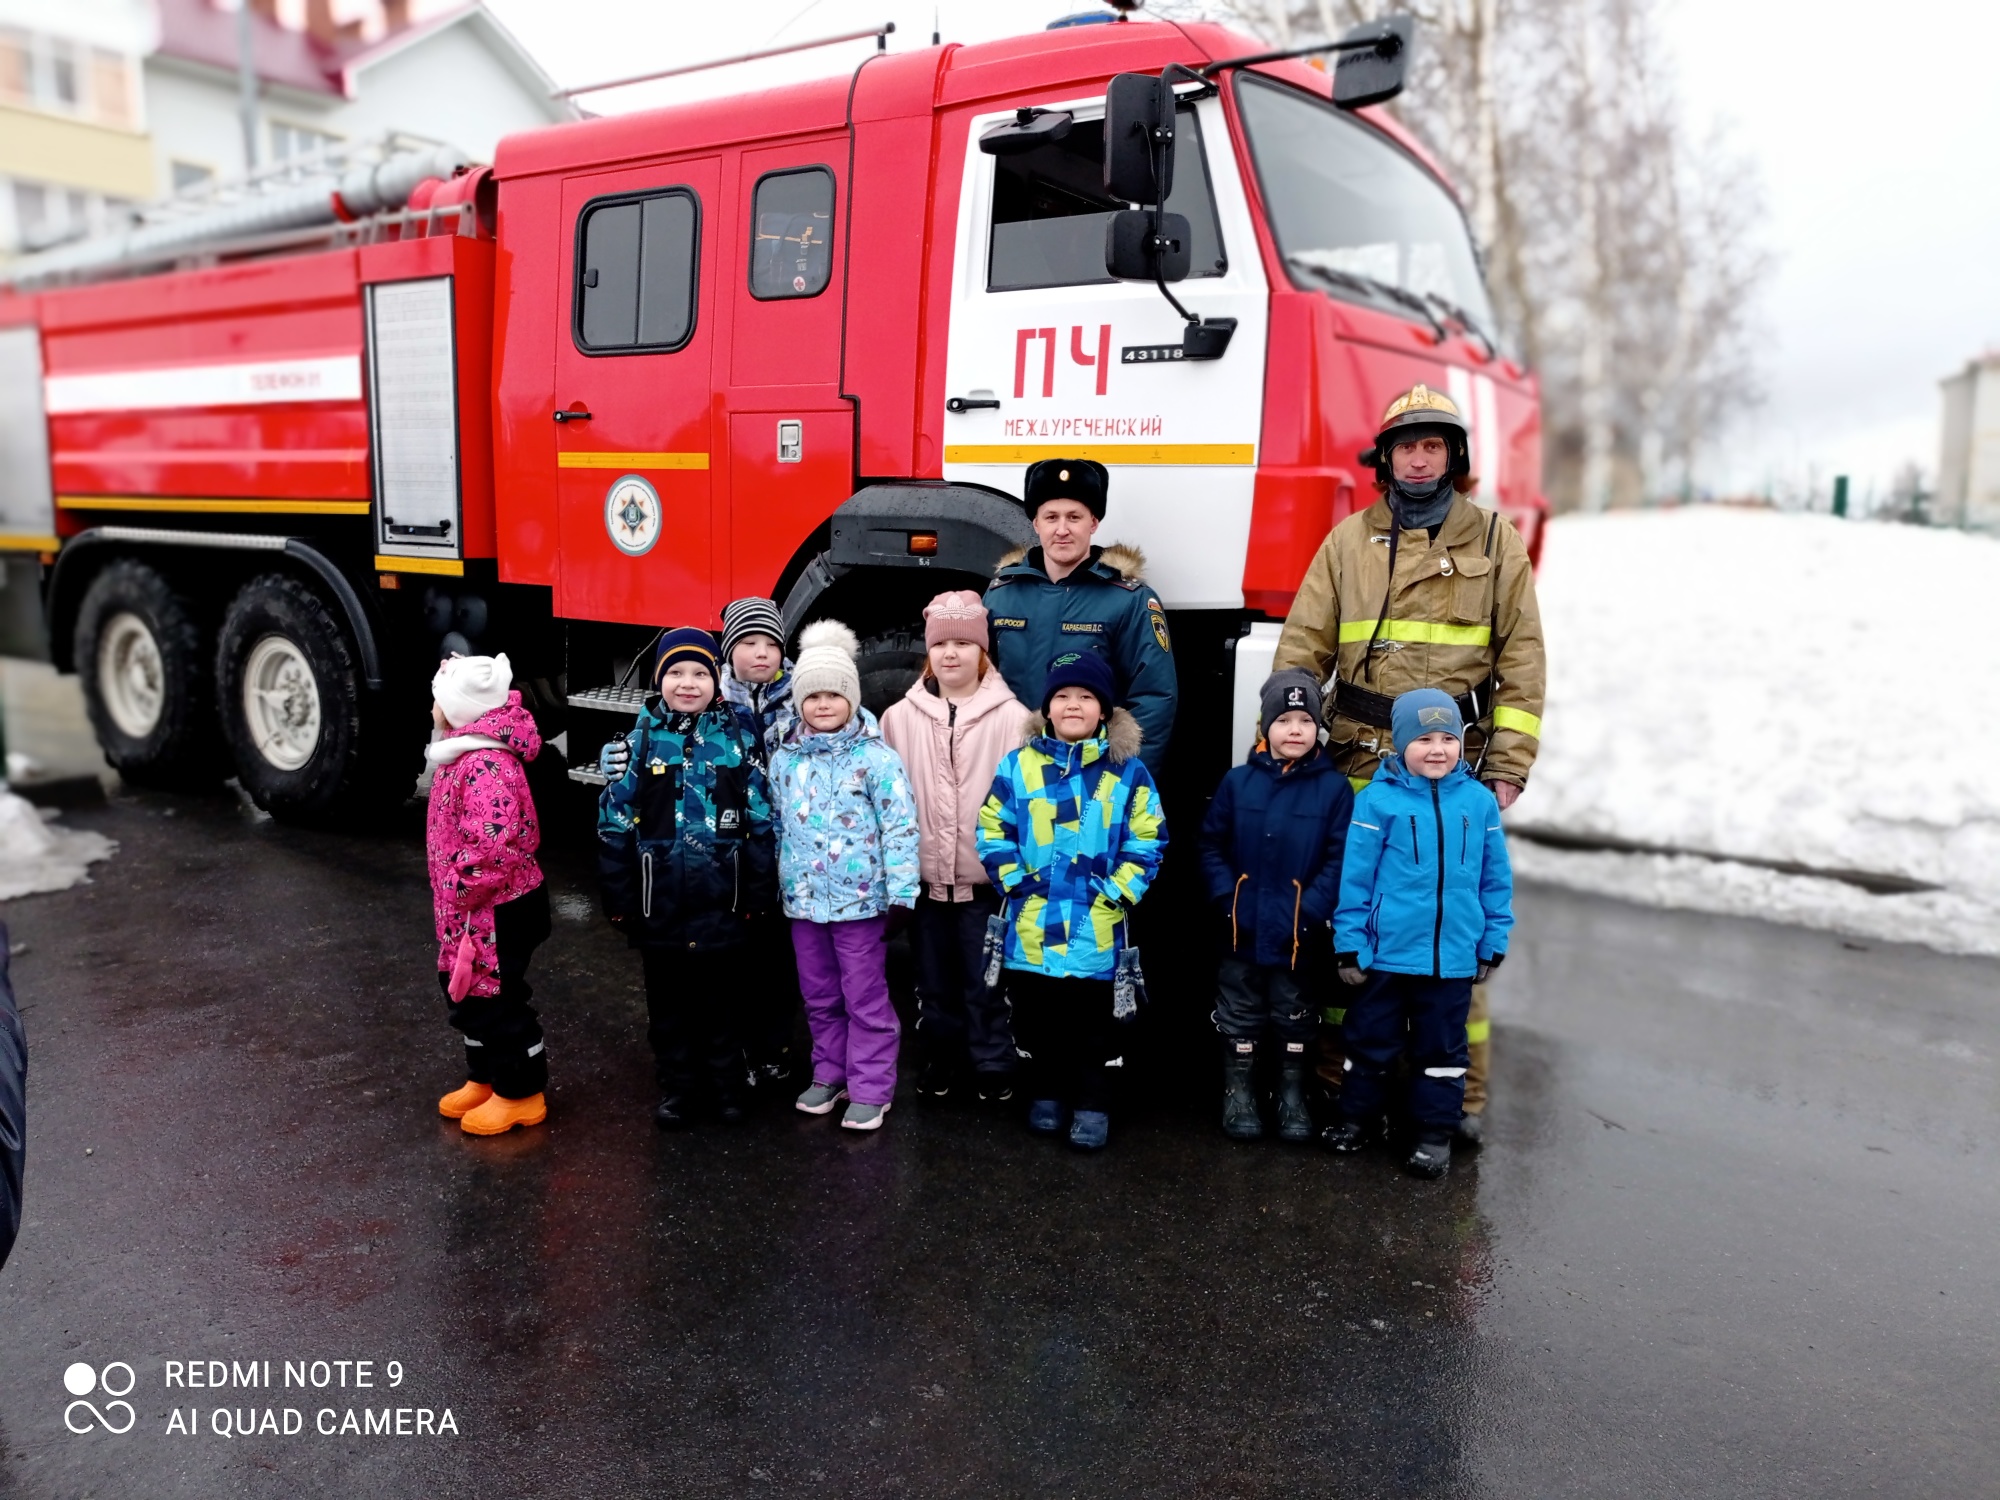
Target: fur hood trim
{"points": [[1123, 739], [1127, 560]]}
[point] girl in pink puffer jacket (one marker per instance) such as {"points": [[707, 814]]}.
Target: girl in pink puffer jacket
{"points": [[492, 909], [951, 730]]}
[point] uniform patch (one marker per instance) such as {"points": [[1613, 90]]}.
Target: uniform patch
{"points": [[1001, 622], [1157, 613], [1083, 627]]}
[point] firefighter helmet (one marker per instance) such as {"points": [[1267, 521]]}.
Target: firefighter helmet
{"points": [[1422, 411]]}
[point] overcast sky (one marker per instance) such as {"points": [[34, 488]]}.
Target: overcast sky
{"points": [[1875, 129]]}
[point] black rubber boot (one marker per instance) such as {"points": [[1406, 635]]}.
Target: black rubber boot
{"points": [[1295, 1121], [1240, 1120], [1430, 1157], [1344, 1136]]}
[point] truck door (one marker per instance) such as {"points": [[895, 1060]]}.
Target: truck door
{"points": [[632, 394], [1050, 357], [791, 436]]}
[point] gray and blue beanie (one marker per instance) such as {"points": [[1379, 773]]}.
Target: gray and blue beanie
{"points": [[1423, 711]]}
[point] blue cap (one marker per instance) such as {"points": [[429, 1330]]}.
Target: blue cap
{"points": [[1084, 669], [1423, 711], [685, 643]]}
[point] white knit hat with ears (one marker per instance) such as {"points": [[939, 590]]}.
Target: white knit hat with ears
{"points": [[468, 686], [825, 663]]}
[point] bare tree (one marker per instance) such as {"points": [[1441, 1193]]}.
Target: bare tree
{"points": [[1622, 258]]}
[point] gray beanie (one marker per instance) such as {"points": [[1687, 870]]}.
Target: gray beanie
{"points": [[825, 663], [1293, 688]]}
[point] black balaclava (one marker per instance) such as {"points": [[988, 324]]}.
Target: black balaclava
{"points": [[1421, 506]]}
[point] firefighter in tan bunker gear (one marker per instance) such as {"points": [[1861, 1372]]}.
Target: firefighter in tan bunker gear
{"points": [[1425, 589]]}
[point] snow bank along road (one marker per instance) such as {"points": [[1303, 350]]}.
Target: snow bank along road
{"points": [[1783, 688]]}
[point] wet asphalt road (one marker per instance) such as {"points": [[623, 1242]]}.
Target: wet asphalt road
{"points": [[1733, 1235]]}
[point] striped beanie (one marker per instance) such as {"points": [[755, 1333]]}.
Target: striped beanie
{"points": [[753, 616], [685, 643]]}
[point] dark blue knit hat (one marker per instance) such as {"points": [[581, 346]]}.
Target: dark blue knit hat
{"points": [[1084, 669], [686, 643], [1423, 711]]}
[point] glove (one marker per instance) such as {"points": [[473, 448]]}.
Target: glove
{"points": [[1348, 967], [615, 757], [1486, 968]]}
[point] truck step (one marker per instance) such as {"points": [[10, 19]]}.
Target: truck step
{"points": [[610, 700]]}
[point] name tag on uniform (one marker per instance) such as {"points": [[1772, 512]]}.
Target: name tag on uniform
{"points": [[1083, 627], [1001, 622]]}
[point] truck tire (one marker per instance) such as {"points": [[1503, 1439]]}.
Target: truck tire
{"points": [[888, 664], [294, 709], [146, 679]]}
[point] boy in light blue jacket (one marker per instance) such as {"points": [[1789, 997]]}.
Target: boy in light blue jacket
{"points": [[1426, 901]]}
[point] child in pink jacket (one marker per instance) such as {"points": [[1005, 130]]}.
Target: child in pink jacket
{"points": [[951, 730], [492, 910]]}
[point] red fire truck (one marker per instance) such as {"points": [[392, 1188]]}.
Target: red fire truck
{"points": [[799, 343]]}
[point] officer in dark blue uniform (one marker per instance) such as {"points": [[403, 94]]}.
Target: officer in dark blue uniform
{"points": [[1068, 592]]}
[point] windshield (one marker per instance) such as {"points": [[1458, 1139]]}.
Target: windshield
{"points": [[1356, 217]]}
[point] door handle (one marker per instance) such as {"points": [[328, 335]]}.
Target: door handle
{"points": [[972, 403], [580, 416]]}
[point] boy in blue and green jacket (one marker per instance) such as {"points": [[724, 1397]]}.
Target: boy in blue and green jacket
{"points": [[1426, 902], [687, 856], [1071, 835]]}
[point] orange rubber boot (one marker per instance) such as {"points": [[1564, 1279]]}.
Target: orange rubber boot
{"points": [[499, 1115], [461, 1101]]}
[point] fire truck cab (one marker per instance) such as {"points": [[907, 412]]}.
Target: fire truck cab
{"points": [[800, 343]]}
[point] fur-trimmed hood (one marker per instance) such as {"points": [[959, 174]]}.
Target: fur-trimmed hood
{"points": [[1122, 738], [1127, 561]]}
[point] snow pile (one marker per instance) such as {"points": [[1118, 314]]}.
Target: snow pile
{"points": [[36, 855], [1776, 687]]}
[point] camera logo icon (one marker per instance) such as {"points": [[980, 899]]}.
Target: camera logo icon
{"points": [[115, 1380]]}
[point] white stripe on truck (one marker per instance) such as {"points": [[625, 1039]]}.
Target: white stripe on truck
{"points": [[334, 377]]}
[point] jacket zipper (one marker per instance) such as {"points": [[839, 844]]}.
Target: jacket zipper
{"points": [[1464, 836], [1415, 853], [736, 878], [1437, 928], [646, 883]]}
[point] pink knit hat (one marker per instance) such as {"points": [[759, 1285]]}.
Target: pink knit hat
{"points": [[956, 615]]}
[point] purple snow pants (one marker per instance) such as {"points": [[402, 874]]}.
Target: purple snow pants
{"points": [[844, 978]]}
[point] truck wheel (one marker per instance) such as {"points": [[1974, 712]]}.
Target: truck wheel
{"points": [[146, 682], [888, 664], [291, 695]]}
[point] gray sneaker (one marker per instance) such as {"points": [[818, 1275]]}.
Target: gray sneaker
{"points": [[861, 1116], [821, 1098]]}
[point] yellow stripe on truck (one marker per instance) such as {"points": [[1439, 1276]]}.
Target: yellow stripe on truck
{"points": [[1104, 453], [631, 460], [1517, 719], [1422, 632], [214, 507]]}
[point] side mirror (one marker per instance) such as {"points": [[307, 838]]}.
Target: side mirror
{"points": [[1366, 75], [1028, 129], [1132, 254], [1138, 131]]}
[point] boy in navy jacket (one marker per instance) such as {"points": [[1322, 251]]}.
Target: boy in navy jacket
{"points": [[1426, 901], [1271, 854]]}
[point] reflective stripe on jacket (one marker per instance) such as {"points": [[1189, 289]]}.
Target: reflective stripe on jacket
{"points": [[1426, 886], [1072, 835], [1456, 616]]}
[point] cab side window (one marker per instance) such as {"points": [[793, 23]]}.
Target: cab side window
{"points": [[636, 264], [1049, 210], [791, 240]]}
